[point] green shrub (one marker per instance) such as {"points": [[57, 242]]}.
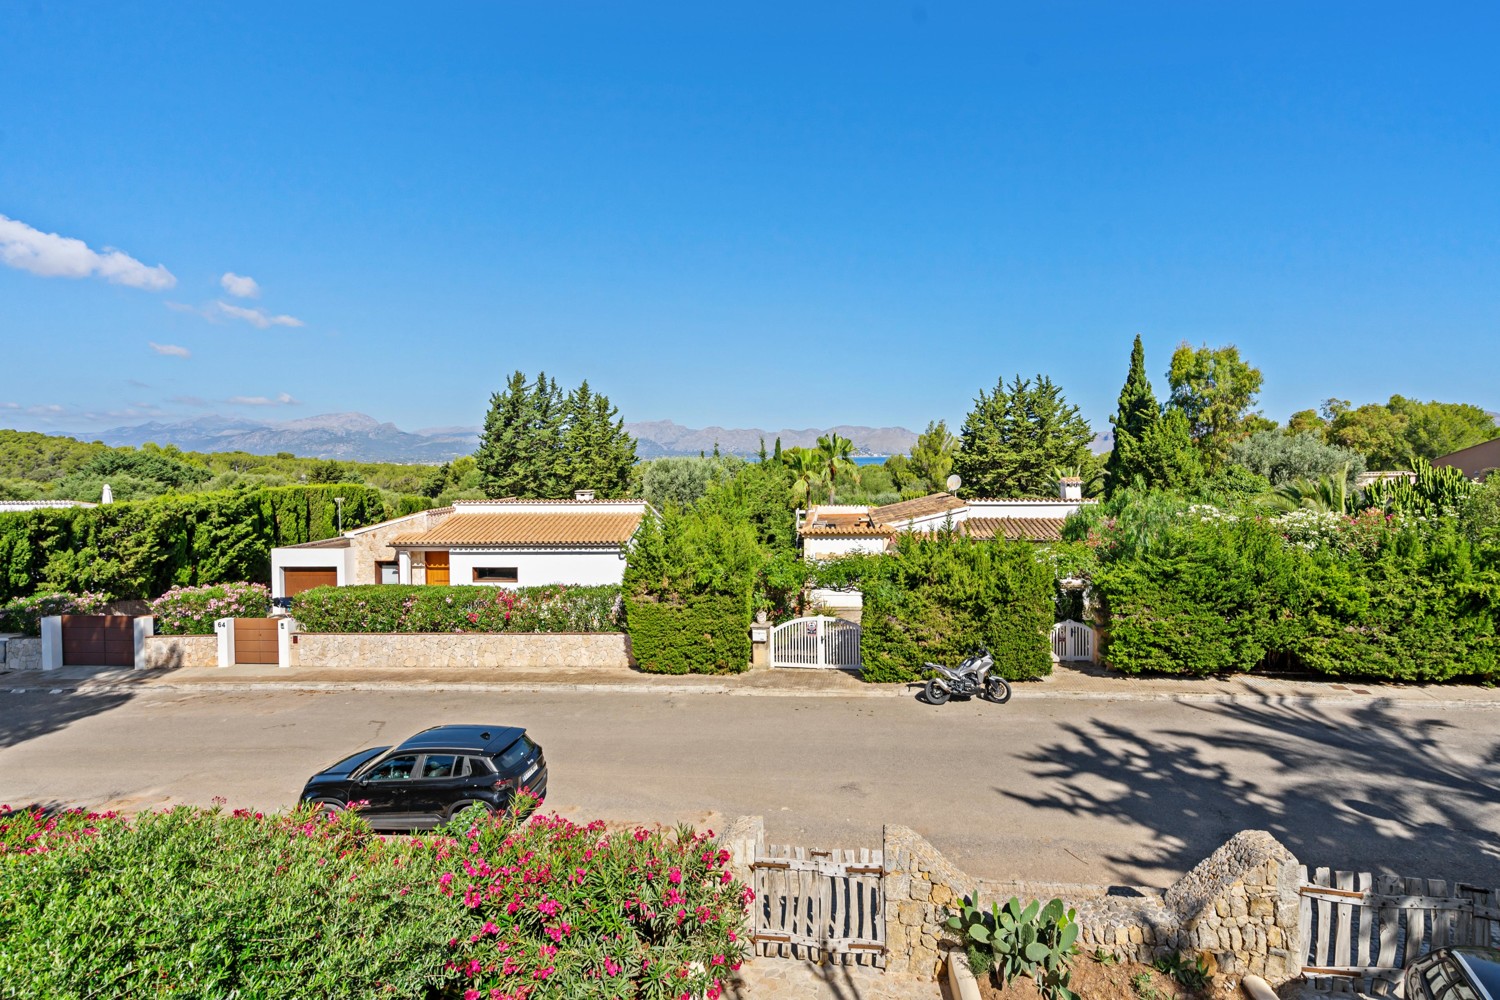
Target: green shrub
{"points": [[202, 903], [708, 634], [939, 595], [138, 550], [193, 610], [25, 614], [414, 608]]}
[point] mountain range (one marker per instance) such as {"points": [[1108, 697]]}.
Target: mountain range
{"points": [[358, 437]]}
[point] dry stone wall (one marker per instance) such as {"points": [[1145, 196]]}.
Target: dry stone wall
{"points": [[23, 653], [593, 650], [1239, 907]]}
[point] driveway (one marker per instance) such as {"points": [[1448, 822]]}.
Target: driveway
{"points": [[1104, 791]]}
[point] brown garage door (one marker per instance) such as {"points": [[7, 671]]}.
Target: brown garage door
{"points": [[255, 640], [98, 641], [297, 580]]}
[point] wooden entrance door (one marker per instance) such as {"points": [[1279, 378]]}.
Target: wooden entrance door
{"points": [[255, 640], [437, 569]]}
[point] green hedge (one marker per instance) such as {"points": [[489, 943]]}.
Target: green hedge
{"points": [[939, 595], [706, 634], [200, 903], [401, 608], [1206, 592], [138, 550]]}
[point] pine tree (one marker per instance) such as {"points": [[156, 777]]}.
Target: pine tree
{"points": [[932, 455], [1138, 413], [1164, 458], [547, 462], [506, 442], [1016, 439]]}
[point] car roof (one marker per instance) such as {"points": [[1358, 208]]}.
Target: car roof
{"points": [[481, 739]]}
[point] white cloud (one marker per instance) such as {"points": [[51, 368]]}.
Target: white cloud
{"points": [[256, 317], [52, 256], [282, 399], [240, 286], [170, 350], [10, 406]]}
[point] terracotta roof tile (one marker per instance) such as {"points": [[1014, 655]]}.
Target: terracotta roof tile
{"points": [[590, 528], [937, 503], [845, 531], [1030, 529]]}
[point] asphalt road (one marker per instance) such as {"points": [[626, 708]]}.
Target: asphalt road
{"points": [[1109, 792]]}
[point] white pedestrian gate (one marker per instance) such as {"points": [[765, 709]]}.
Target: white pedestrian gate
{"points": [[819, 641], [1072, 641]]}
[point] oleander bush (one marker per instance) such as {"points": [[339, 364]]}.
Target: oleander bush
{"points": [[197, 902], [25, 614], [193, 610], [416, 608]]}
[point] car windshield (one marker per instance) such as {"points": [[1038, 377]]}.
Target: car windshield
{"points": [[1445, 981]]}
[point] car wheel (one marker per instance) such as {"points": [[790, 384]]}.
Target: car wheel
{"points": [[329, 808], [461, 806]]}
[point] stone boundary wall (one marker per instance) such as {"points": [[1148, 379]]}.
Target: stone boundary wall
{"points": [[23, 653], [168, 652], [1239, 907], [594, 650]]}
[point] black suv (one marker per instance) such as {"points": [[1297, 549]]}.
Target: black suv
{"points": [[433, 776]]}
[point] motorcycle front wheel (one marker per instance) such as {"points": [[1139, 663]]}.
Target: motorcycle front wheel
{"points": [[996, 690], [935, 693]]}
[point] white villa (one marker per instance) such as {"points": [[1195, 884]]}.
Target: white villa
{"points": [[832, 530], [506, 543]]}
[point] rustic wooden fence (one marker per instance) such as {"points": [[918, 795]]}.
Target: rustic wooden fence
{"points": [[1360, 930], [824, 906]]}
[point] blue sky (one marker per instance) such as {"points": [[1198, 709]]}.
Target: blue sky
{"points": [[738, 214]]}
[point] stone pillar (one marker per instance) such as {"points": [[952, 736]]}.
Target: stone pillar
{"points": [[52, 652], [224, 633], [920, 887], [743, 839], [760, 645]]}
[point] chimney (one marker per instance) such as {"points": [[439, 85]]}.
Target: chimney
{"points": [[1070, 488], [583, 496]]}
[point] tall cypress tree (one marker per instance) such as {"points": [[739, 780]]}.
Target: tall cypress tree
{"points": [[539, 443], [1138, 413]]}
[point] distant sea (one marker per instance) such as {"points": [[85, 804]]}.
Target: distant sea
{"points": [[870, 459]]}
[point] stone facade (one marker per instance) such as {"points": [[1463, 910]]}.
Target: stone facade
{"points": [[1239, 908], [594, 650], [372, 545], [23, 653], [167, 652]]}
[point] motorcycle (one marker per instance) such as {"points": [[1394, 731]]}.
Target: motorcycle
{"points": [[970, 677]]}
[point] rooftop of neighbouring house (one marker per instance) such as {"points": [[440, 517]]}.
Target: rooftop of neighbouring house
{"points": [[8, 506], [1015, 529], [906, 510]]}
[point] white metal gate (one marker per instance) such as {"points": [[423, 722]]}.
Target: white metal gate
{"points": [[816, 642], [825, 906], [1072, 641]]}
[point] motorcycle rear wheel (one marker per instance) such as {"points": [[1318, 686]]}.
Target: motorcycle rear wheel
{"points": [[996, 690], [935, 693]]}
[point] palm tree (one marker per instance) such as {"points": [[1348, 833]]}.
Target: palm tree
{"points": [[1329, 493], [833, 453], [807, 472]]}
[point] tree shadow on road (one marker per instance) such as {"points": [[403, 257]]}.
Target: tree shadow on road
{"points": [[1370, 788], [25, 717]]}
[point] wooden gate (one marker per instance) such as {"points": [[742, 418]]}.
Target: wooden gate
{"points": [[255, 640], [819, 641], [1366, 928], [98, 641], [1072, 641], [825, 906]]}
